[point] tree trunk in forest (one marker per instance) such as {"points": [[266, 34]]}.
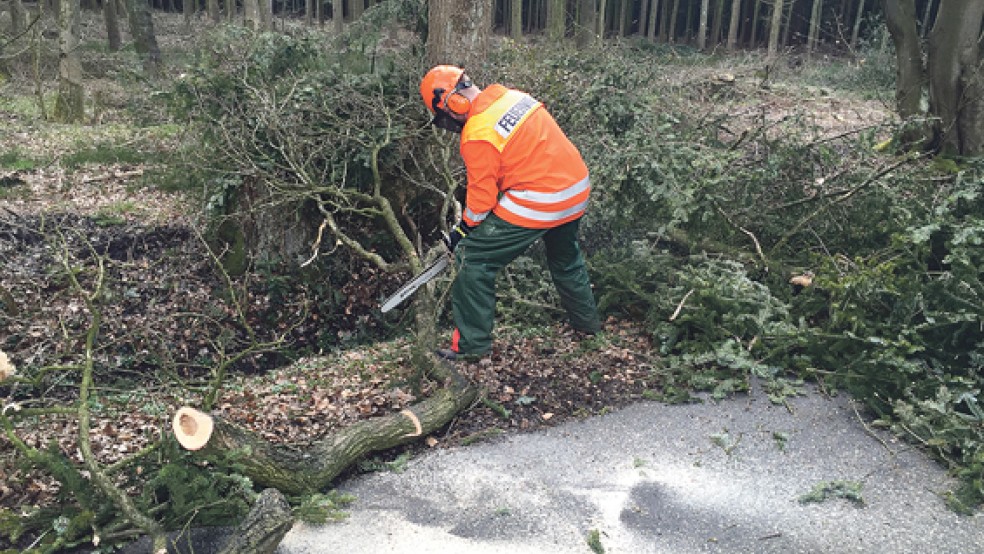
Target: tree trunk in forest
{"points": [[266, 14], [774, 28], [623, 11], [293, 472], [602, 19], [356, 9], [112, 20], [188, 9], [673, 20], [338, 16], [664, 17], [556, 20], [702, 25], [856, 32], [230, 10], [643, 17], [733, 25], [251, 14], [814, 33], [717, 20], [955, 72], [516, 19], [70, 103], [689, 25], [144, 39], [753, 35], [212, 8], [953, 75], [18, 18], [653, 12], [900, 17], [586, 24], [458, 32], [787, 27]]}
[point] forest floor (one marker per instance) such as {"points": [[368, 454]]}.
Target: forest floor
{"points": [[147, 240]]}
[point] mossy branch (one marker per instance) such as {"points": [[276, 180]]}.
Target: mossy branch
{"points": [[96, 473]]}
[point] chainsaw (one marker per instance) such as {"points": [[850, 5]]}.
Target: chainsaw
{"points": [[433, 270]]}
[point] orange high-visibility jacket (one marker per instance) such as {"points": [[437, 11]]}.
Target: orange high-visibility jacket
{"points": [[520, 164]]}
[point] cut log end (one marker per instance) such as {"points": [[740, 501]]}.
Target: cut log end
{"points": [[192, 428]]}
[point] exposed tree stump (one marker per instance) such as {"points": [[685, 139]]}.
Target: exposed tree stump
{"points": [[264, 527], [313, 469]]}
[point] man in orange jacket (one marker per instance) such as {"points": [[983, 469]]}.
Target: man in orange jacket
{"points": [[526, 181]]}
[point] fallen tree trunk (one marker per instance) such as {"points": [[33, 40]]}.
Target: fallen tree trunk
{"points": [[297, 472], [264, 527]]}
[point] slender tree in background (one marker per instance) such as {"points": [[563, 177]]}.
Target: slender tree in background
{"points": [[586, 23], [212, 8], [717, 20], [671, 34], [856, 32], [188, 8], [733, 25], [753, 34], [702, 25], [788, 12], [337, 16], [18, 18], [811, 40], [516, 19], [70, 103], [144, 39], [774, 28], [556, 20], [112, 19], [654, 10]]}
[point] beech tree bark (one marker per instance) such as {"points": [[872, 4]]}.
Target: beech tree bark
{"points": [[556, 20], [733, 25], [112, 20], [70, 103], [956, 94], [814, 34], [516, 19], [702, 25], [458, 32], [653, 13], [144, 39], [953, 76], [774, 28], [586, 23]]}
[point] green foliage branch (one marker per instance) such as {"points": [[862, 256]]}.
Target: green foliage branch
{"points": [[699, 219]]}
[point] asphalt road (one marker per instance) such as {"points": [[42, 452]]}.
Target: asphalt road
{"points": [[722, 477]]}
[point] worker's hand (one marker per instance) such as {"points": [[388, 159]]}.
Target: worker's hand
{"points": [[458, 232]]}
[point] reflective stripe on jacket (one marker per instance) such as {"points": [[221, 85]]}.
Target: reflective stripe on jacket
{"points": [[520, 164]]}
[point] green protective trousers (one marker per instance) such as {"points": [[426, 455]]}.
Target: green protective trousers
{"points": [[490, 247]]}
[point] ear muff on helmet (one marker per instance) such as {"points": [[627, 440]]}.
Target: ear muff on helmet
{"points": [[458, 103]]}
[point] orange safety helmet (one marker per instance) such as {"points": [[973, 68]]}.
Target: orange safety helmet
{"points": [[440, 89]]}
